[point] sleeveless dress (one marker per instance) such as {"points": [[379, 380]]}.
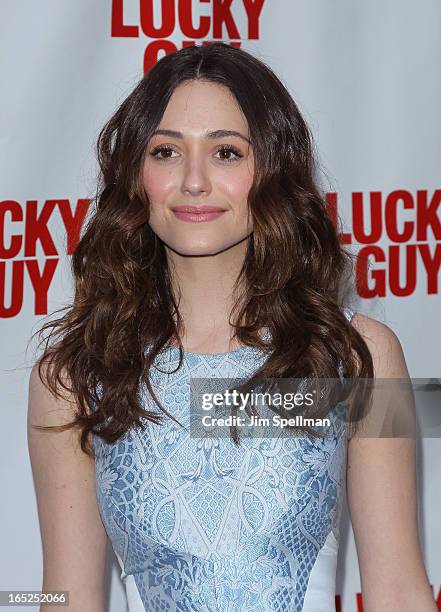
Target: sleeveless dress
{"points": [[201, 525]]}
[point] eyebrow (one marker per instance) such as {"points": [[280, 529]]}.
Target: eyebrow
{"points": [[215, 134]]}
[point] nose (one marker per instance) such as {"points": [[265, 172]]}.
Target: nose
{"points": [[196, 178]]}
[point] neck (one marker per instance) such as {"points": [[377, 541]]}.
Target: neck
{"points": [[204, 289]]}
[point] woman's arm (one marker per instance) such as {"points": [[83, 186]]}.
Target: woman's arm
{"points": [[73, 536], [381, 488]]}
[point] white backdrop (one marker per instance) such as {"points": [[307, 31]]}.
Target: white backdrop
{"points": [[367, 78]]}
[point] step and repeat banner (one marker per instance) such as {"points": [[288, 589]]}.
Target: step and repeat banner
{"points": [[366, 76]]}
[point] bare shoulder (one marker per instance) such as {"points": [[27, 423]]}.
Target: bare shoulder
{"points": [[384, 346], [44, 408]]}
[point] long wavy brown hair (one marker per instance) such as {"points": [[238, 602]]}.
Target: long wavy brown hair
{"points": [[293, 275]]}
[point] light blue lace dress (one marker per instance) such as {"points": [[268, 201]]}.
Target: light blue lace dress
{"points": [[201, 525]]}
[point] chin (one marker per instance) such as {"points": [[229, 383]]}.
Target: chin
{"points": [[191, 249]]}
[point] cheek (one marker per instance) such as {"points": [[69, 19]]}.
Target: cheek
{"points": [[157, 184], [237, 186]]}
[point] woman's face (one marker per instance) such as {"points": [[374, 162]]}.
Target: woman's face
{"points": [[191, 160]]}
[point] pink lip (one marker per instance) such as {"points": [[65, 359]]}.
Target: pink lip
{"points": [[197, 214]]}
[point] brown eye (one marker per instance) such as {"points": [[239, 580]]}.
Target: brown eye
{"points": [[162, 153], [228, 150]]}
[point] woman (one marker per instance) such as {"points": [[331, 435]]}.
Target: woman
{"points": [[210, 255]]}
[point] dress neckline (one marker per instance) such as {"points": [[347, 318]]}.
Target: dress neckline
{"points": [[264, 334], [174, 348]]}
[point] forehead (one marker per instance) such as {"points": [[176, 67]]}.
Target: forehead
{"points": [[201, 106]]}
